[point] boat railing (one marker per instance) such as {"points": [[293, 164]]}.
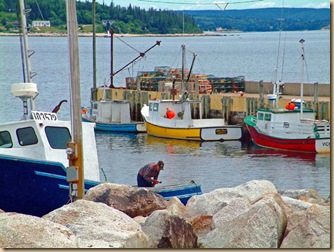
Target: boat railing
{"points": [[323, 129]]}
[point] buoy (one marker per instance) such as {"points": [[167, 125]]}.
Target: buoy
{"points": [[170, 114], [290, 106]]}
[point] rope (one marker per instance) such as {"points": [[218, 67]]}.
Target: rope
{"points": [[128, 44], [39, 9]]}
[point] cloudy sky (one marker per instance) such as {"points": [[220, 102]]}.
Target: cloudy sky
{"points": [[210, 4]]}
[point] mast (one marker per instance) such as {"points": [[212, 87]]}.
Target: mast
{"points": [[26, 51], [94, 45], [111, 57], [182, 71], [276, 83], [74, 149], [302, 80]]}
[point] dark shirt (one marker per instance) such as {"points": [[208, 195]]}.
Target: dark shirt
{"points": [[148, 171]]}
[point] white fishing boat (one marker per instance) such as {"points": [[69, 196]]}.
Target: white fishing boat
{"points": [[35, 175]]}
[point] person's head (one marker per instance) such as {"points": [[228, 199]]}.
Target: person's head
{"points": [[161, 165]]}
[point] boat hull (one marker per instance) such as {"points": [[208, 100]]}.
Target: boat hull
{"points": [[311, 145], [33, 187], [121, 127], [183, 192], [219, 133]]}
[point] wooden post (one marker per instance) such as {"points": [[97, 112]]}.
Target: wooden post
{"points": [[261, 94], [315, 96], [76, 157]]}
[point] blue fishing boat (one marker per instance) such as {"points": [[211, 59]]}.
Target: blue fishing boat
{"points": [[112, 116], [35, 173]]}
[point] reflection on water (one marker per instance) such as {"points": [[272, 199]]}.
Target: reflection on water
{"points": [[211, 164]]}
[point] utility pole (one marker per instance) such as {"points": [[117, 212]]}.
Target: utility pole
{"points": [[75, 171]]}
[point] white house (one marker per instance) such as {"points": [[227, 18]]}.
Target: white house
{"points": [[41, 23]]}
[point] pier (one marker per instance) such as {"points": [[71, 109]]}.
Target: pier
{"points": [[233, 106]]}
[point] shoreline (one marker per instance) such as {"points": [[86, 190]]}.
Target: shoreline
{"points": [[106, 36], [90, 34]]}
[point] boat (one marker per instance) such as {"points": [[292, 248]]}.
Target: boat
{"points": [[112, 116], [175, 119], [35, 175], [293, 128], [182, 192]]}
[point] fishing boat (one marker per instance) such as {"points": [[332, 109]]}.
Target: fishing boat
{"points": [[293, 128], [112, 116], [174, 119], [35, 175]]}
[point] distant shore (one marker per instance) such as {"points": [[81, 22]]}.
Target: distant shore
{"points": [[123, 35]]}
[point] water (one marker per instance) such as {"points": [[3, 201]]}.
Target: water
{"points": [[213, 165]]}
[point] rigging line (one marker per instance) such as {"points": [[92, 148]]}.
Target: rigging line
{"points": [[200, 64], [177, 58], [284, 47], [127, 44], [40, 12], [279, 42]]}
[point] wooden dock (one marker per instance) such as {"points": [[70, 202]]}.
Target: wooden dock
{"points": [[231, 106]]}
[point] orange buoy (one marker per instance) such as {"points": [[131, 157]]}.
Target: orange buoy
{"points": [[290, 106], [170, 114]]}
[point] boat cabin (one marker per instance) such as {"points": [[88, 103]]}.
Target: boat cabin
{"points": [[45, 138], [113, 111], [170, 109]]}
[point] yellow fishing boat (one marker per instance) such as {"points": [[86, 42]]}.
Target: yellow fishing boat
{"points": [[173, 119]]}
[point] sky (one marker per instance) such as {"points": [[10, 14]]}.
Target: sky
{"points": [[210, 4]]}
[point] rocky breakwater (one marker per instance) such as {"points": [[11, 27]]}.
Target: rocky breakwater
{"points": [[252, 215]]}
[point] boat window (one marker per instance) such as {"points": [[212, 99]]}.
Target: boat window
{"points": [[267, 117], [260, 116], [5, 140], [155, 107], [26, 136], [151, 107], [58, 137]]}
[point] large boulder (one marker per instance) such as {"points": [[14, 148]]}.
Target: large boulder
{"points": [[231, 211], [262, 226], [210, 203], [307, 195], [309, 228], [97, 225], [26, 231], [133, 201], [169, 231]]}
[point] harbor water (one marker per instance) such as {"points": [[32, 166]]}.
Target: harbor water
{"points": [[212, 164]]}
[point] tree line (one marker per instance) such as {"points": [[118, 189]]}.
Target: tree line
{"points": [[131, 19], [264, 19]]}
